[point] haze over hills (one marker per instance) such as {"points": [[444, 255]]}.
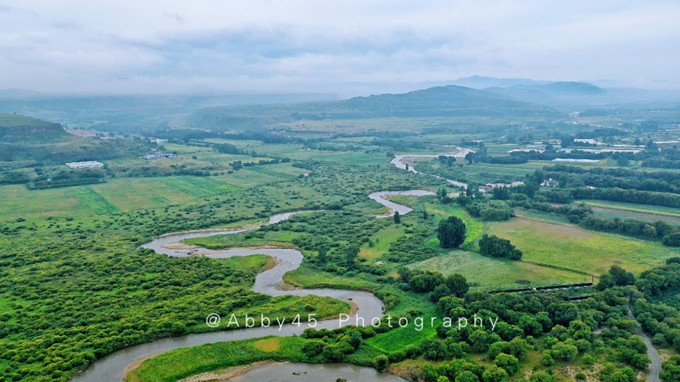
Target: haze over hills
{"points": [[129, 113], [440, 101], [480, 96], [569, 96]]}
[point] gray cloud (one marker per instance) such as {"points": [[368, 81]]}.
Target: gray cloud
{"points": [[346, 47]]}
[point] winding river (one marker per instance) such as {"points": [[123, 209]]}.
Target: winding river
{"points": [[399, 161], [367, 306]]}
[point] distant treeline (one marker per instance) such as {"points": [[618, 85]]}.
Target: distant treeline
{"points": [[45, 184], [651, 157], [583, 216], [572, 176], [66, 178], [185, 135]]}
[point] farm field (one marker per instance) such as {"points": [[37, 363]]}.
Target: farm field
{"points": [[637, 211], [485, 273], [112, 197], [574, 248]]}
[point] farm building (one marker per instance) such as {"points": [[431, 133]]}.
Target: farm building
{"points": [[88, 164]]}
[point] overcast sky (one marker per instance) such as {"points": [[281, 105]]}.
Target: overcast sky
{"points": [[348, 47]]}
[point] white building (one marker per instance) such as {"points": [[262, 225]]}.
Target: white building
{"points": [[89, 164]]}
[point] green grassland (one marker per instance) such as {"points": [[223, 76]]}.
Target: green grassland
{"points": [[183, 363], [486, 273], [120, 194], [571, 247], [272, 239]]}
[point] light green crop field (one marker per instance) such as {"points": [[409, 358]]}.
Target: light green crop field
{"points": [[136, 193], [571, 247], [298, 152], [121, 194], [486, 273], [18, 202]]}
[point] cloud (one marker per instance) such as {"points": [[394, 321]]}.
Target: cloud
{"points": [[303, 45]]}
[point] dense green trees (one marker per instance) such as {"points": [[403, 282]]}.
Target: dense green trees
{"points": [[494, 246], [451, 232], [672, 239], [671, 369], [616, 276], [427, 281], [487, 210]]}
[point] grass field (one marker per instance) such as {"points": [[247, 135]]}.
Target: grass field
{"points": [[634, 211], [399, 338], [381, 242], [120, 194], [473, 227], [564, 245], [280, 239], [308, 277], [485, 273], [183, 363]]}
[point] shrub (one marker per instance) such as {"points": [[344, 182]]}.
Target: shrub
{"points": [[381, 362], [494, 246]]}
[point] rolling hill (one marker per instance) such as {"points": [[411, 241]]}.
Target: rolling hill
{"points": [[24, 138], [20, 128], [440, 101]]}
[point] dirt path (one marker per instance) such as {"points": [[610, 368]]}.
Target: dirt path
{"points": [[655, 366]]}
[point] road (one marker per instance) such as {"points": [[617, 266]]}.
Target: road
{"points": [[655, 366]]}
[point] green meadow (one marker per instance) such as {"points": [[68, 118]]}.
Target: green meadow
{"points": [[571, 247]]}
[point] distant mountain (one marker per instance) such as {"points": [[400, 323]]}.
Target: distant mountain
{"points": [[448, 100], [132, 114], [15, 128], [481, 82], [440, 101], [575, 88], [564, 96], [18, 94]]}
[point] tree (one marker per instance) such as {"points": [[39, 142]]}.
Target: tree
{"points": [[671, 369], [442, 193], [470, 157], [451, 232], [397, 217], [466, 376], [501, 193], [494, 246], [672, 239], [380, 362], [457, 284], [507, 362], [615, 276], [351, 255], [321, 256], [564, 352], [493, 373]]}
